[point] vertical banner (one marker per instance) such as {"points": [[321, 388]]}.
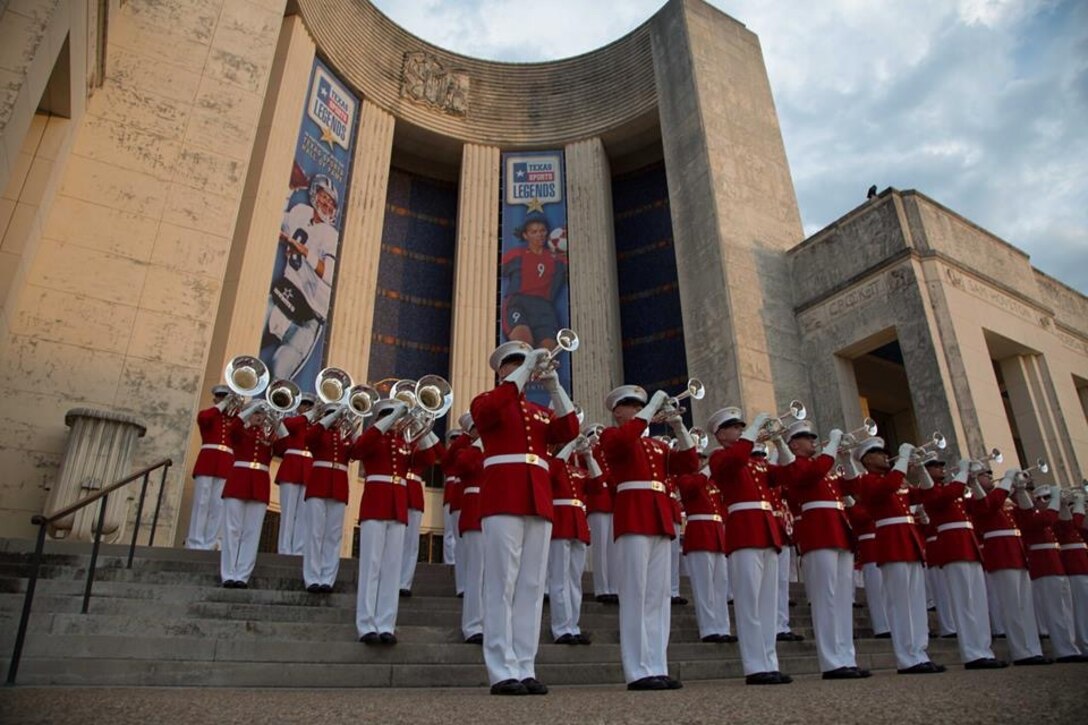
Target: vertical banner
{"points": [[296, 324], [534, 290]]}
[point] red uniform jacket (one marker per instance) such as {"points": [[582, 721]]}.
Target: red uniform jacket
{"points": [[813, 487], [782, 514], [467, 462], [677, 502], [569, 521], [745, 482], [1044, 551], [703, 503], [297, 459], [510, 425], [387, 459], [329, 475], [888, 502], [865, 535], [1074, 550], [639, 466], [248, 479], [929, 535], [947, 511], [216, 455], [1002, 545], [451, 490], [601, 490]]}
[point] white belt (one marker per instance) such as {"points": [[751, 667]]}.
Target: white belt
{"points": [[1001, 532], [892, 520], [704, 517], [217, 447], [641, 486], [1071, 547], [453, 479], [414, 477], [930, 538], [330, 464], [254, 466], [866, 537], [531, 459], [955, 525], [823, 505], [1044, 547], [298, 452], [749, 506], [469, 490], [568, 502], [378, 478]]}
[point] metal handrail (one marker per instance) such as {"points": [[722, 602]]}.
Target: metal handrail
{"points": [[42, 522]]}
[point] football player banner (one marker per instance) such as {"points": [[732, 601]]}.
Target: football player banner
{"points": [[533, 288], [296, 325]]}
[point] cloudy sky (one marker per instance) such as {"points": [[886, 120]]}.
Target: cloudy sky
{"points": [[980, 104]]}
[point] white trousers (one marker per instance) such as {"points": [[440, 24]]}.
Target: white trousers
{"points": [[1078, 586], [643, 564], [709, 585], [753, 574], [829, 584], [470, 558], [997, 618], [965, 585], [674, 563], [515, 560], [1013, 588], [874, 598], [207, 514], [241, 534], [566, 562], [292, 519], [449, 535], [411, 550], [905, 599], [946, 622], [1054, 605], [324, 532], [602, 553], [381, 546], [782, 620]]}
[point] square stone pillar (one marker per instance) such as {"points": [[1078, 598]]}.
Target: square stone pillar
{"points": [[595, 305], [1037, 418]]}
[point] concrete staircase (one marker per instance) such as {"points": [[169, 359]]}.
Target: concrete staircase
{"points": [[167, 621]]}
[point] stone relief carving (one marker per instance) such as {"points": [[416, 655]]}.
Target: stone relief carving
{"points": [[425, 80]]}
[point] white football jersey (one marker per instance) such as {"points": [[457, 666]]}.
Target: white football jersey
{"points": [[321, 239]]}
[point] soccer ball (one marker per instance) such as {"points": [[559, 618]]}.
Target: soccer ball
{"points": [[558, 239]]}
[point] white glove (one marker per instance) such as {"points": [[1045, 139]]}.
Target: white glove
{"points": [[384, 424], [785, 455], [925, 481], [903, 461], [1078, 502], [1023, 499], [427, 441], [223, 404], [592, 466], [850, 468], [561, 402], [331, 417], [684, 441], [1055, 503], [650, 410], [1008, 480], [963, 471], [848, 501], [834, 439], [751, 433], [249, 410], [565, 451], [281, 431], [977, 492], [521, 374]]}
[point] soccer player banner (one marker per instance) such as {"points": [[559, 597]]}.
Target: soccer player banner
{"points": [[296, 325], [534, 290]]}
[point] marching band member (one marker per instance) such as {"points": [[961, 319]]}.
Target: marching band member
{"points": [[415, 517], [213, 466], [516, 511], [292, 476], [246, 494], [674, 545], [465, 459], [704, 550], [753, 540], [900, 551], [643, 526], [326, 500], [1005, 562], [865, 558], [782, 515], [1075, 562], [937, 598], [387, 458], [1049, 585], [825, 541], [958, 557], [451, 511], [567, 550], [602, 549]]}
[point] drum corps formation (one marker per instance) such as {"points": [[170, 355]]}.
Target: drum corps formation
{"points": [[531, 492]]}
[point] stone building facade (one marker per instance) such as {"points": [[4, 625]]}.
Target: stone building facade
{"points": [[145, 148]]}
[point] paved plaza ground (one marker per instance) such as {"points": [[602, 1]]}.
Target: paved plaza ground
{"points": [[1057, 694]]}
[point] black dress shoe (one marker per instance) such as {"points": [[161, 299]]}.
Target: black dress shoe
{"points": [[783, 678], [952, 635], [792, 603], [229, 584], [460, 595], [1069, 659], [842, 673], [477, 638], [241, 585], [613, 598], [985, 663], [534, 686], [509, 687], [325, 589], [999, 636], [862, 672], [788, 637], [648, 683], [922, 668], [729, 638], [566, 639], [583, 639], [547, 598], [763, 678], [883, 635], [370, 638], [713, 638], [313, 588], [671, 682], [1031, 661], [602, 598], [931, 609], [405, 593], [679, 601], [1044, 636], [388, 638]]}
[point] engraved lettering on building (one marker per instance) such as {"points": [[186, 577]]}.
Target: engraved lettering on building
{"points": [[425, 80]]}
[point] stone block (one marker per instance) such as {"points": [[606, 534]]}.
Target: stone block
{"points": [[30, 474], [158, 115], [246, 72], [23, 226], [164, 336], [7, 209], [188, 250], [187, 296], [9, 266], [20, 167], [131, 72], [195, 209], [165, 32], [33, 420], [76, 374], [123, 145], [158, 388], [211, 172], [91, 272], [54, 136], [20, 36], [60, 316], [36, 184], [104, 228], [110, 185]]}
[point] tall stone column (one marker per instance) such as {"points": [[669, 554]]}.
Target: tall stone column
{"points": [[597, 366], [1040, 434], [475, 283]]}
